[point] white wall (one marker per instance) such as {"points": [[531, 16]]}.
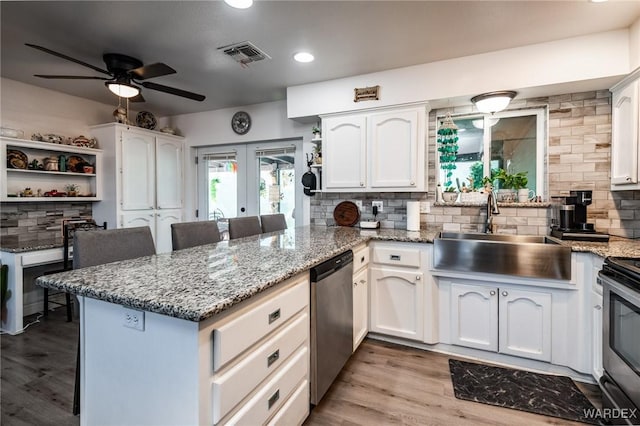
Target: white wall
{"points": [[268, 122], [634, 45], [590, 57], [37, 110]]}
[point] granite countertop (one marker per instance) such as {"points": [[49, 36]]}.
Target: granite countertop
{"points": [[35, 245], [197, 283]]}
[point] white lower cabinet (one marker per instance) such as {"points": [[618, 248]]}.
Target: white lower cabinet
{"points": [[396, 302], [508, 320], [158, 220], [360, 307], [596, 336]]}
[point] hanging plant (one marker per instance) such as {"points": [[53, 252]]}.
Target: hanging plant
{"points": [[448, 147]]}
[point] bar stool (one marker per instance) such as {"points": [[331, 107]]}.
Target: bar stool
{"points": [[273, 222], [244, 227], [191, 234]]}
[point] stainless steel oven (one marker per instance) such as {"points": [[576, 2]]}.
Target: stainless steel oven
{"points": [[620, 383]]}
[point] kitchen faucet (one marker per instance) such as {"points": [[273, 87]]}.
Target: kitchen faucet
{"points": [[492, 208]]}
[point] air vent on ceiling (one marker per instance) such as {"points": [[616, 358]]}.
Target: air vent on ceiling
{"points": [[244, 52]]}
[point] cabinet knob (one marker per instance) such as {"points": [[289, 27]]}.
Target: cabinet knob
{"points": [[355, 284], [361, 183], [412, 183], [598, 307], [417, 277], [492, 292], [504, 293], [628, 179]]}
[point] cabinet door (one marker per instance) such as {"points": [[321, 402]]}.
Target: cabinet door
{"points": [[596, 335], [360, 307], [525, 323], [138, 171], [624, 137], [344, 152], [164, 219], [393, 147], [169, 180], [474, 316], [139, 218], [397, 302]]}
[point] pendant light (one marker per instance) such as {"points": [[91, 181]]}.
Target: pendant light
{"points": [[492, 102]]}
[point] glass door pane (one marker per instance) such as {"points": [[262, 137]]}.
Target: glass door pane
{"points": [[277, 182], [223, 183]]}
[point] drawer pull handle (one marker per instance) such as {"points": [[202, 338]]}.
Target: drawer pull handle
{"points": [[273, 357], [394, 257], [274, 316], [598, 307], [274, 398], [362, 259], [363, 282]]}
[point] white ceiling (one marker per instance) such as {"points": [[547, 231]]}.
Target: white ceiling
{"points": [[347, 38]]}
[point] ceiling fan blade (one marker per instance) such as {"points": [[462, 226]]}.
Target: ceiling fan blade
{"points": [[70, 77], [68, 58], [152, 70], [172, 91], [137, 98]]}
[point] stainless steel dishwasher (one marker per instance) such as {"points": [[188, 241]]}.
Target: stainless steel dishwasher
{"points": [[331, 321]]}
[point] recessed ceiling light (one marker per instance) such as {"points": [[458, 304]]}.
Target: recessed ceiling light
{"points": [[303, 57], [239, 4]]}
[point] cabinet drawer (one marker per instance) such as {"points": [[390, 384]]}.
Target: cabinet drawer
{"points": [[295, 410], [237, 333], [234, 385], [400, 256], [275, 392], [360, 258]]}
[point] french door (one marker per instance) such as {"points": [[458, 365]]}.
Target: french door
{"points": [[249, 180]]}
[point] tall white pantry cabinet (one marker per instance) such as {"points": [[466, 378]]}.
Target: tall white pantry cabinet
{"points": [[143, 180]]}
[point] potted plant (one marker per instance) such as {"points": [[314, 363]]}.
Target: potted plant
{"points": [[450, 194], [509, 184], [71, 189], [317, 151], [316, 132]]}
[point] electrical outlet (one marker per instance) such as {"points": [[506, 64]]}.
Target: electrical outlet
{"points": [[358, 203], [377, 204], [133, 319], [425, 207]]}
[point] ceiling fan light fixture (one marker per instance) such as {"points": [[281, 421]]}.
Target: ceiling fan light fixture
{"points": [[492, 102], [122, 89], [239, 4]]}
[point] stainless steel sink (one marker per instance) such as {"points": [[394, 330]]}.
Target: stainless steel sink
{"points": [[530, 256]]}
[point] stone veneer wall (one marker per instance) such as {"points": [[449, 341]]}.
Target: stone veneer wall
{"points": [[578, 156], [37, 221]]}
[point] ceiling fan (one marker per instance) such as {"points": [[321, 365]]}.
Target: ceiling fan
{"points": [[125, 75]]}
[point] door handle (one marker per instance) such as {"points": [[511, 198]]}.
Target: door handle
{"points": [[242, 209]]}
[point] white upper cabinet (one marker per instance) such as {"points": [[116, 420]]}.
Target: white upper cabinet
{"points": [[377, 151], [138, 171], [624, 134], [344, 152], [394, 150]]}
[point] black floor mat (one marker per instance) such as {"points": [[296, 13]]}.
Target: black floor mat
{"points": [[555, 396]]}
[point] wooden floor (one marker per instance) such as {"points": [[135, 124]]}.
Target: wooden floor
{"points": [[387, 384], [382, 384]]}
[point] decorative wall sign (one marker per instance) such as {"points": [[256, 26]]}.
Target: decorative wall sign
{"points": [[366, 94]]}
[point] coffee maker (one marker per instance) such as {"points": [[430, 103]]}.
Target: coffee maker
{"points": [[570, 218]]}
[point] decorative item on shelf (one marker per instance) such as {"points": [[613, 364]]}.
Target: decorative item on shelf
{"points": [[317, 133], [72, 189], [28, 192], [317, 154], [168, 130], [509, 184], [526, 195], [51, 164], [85, 142], [55, 193], [146, 120], [120, 115], [35, 165], [11, 133], [75, 164], [17, 159], [450, 195], [448, 147], [62, 163], [88, 169], [50, 137]]}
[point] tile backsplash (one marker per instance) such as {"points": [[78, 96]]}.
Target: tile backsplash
{"points": [[578, 157], [38, 221]]}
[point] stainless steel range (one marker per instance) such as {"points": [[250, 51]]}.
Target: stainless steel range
{"points": [[620, 383]]}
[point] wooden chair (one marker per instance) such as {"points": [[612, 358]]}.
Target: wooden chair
{"points": [[97, 248], [69, 230], [191, 234], [240, 227], [273, 222]]}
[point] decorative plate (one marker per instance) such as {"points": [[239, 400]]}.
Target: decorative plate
{"points": [[146, 120], [346, 214], [17, 159]]}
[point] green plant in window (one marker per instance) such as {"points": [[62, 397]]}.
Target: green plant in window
{"points": [[213, 188]]}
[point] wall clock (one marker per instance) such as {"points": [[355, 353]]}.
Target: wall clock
{"points": [[241, 122]]}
